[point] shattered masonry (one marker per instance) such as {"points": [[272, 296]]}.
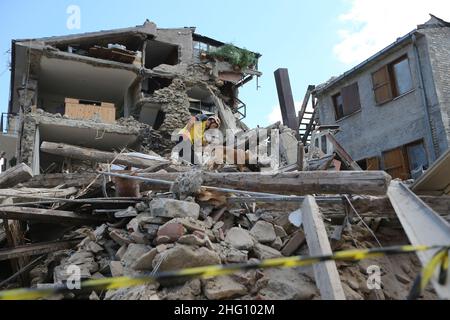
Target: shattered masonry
{"points": [[93, 115]]}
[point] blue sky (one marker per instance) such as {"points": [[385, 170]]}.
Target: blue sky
{"points": [[311, 38]]}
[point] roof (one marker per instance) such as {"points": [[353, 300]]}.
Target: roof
{"points": [[434, 22]]}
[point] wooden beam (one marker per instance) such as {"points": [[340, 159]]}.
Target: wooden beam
{"points": [[35, 193], [15, 175], [286, 99], [37, 249], [80, 153], [293, 183], [300, 156], [340, 151], [15, 237], [48, 216], [326, 273], [57, 179]]}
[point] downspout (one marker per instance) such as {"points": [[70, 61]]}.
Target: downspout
{"points": [[431, 138]]}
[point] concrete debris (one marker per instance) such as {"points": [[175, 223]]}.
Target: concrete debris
{"points": [[144, 207], [263, 232], [239, 239], [222, 288], [182, 256], [170, 208]]}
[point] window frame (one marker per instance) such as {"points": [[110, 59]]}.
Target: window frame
{"points": [[344, 98], [394, 79], [335, 106], [391, 81]]}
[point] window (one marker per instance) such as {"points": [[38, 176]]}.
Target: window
{"points": [[417, 156], [392, 80], [402, 75], [347, 101], [338, 106], [406, 161]]}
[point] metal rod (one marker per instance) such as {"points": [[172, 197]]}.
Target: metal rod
{"points": [[22, 271]]}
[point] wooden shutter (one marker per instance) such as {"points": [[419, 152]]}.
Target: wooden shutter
{"points": [[350, 98], [382, 86], [396, 164], [373, 164]]}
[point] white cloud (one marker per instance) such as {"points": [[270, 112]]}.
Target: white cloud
{"points": [[369, 25]]}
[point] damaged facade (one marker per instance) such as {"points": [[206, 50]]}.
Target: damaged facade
{"points": [[114, 89], [95, 185], [393, 110]]}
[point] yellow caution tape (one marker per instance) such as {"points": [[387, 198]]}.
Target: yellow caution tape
{"points": [[422, 281], [220, 270]]}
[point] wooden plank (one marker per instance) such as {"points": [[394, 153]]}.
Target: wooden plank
{"points": [[300, 156], [340, 151], [48, 216], [37, 193], [37, 249], [15, 175], [373, 164], [293, 183], [286, 99], [436, 179], [88, 112], [294, 243], [68, 180], [15, 237], [80, 153], [326, 273]]}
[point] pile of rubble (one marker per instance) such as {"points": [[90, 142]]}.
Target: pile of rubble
{"points": [[179, 229]]}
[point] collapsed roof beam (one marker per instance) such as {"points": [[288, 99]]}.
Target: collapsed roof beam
{"points": [[286, 99]]}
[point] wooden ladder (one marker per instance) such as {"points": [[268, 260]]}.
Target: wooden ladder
{"points": [[306, 119]]}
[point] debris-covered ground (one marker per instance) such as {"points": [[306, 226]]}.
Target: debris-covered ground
{"points": [[160, 232]]}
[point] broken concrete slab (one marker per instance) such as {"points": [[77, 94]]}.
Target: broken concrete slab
{"points": [[145, 262], [287, 284], [171, 208], [295, 242], [263, 252], [182, 256], [172, 230], [133, 253], [239, 238]]}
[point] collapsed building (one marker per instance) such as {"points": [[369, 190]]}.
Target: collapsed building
{"points": [[91, 183], [82, 89]]}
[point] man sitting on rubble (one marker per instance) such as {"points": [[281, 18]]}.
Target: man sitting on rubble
{"points": [[194, 134]]}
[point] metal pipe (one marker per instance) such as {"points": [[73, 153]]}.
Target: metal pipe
{"points": [[432, 137]]}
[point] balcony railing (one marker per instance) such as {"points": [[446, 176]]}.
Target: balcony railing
{"points": [[9, 123]]}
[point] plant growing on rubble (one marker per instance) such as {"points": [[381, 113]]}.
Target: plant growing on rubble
{"points": [[242, 58]]}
